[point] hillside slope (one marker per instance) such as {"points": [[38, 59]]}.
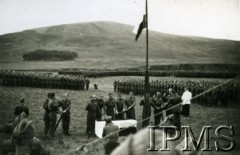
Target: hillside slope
{"points": [[112, 45]]}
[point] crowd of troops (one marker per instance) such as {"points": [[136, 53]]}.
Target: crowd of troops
{"points": [[43, 80], [158, 73], [222, 95]]}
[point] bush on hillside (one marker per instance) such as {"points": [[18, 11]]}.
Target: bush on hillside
{"points": [[49, 55]]}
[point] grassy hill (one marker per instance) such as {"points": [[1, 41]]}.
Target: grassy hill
{"points": [[112, 45]]}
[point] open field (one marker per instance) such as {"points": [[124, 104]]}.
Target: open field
{"points": [[200, 116]]}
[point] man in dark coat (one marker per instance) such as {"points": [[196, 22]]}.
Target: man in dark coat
{"points": [[173, 115], [66, 105], [46, 114], [157, 106], [119, 107], [110, 106], [91, 116], [130, 104], [100, 107], [51, 106], [146, 113]]}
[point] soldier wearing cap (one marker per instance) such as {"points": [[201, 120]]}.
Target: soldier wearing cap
{"points": [[65, 105], [110, 131], [23, 141], [91, 116]]}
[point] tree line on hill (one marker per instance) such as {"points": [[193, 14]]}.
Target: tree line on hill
{"points": [[41, 54]]}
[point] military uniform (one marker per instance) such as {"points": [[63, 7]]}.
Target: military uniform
{"points": [[130, 113], [119, 107], [110, 107], [111, 142], [100, 107], [146, 113], [91, 117], [50, 115], [66, 104], [174, 113], [157, 106]]}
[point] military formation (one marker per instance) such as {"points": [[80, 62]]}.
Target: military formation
{"points": [[222, 95], [158, 73], [43, 80]]}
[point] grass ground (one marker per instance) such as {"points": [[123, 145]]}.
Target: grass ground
{"points": [[200, 115]]}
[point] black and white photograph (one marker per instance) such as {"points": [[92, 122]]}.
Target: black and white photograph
{"points": [[119, 77]]}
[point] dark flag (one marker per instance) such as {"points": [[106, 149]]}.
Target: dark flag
{"points": [[142, 25]]}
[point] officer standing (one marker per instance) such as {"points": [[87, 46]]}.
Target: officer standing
{"points": [[173, 115], [100, 107], [130, 104], [66, 105], [91, 116], [157, 106], [146, 113], [119, 107], [46, 114], [51, 106], [110, 106]]}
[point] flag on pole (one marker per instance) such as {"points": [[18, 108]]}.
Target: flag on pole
{"points": [[142, 25]]}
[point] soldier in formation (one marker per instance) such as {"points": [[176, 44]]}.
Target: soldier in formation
{"points": [[41, 80], [223, 96]]}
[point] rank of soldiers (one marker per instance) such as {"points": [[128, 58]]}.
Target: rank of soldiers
{"points": [[43, 80], [158, 73], [223, 95]]}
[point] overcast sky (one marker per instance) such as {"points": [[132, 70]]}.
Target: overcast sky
{"points": [[207, 18]]}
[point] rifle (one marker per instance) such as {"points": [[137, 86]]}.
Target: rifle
{"points": [[60, 118]]}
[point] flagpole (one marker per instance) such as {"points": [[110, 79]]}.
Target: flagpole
{"points": [[147, 72]]}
